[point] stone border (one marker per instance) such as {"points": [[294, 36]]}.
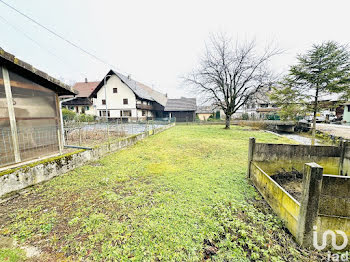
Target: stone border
{"points": [[27, 175]]}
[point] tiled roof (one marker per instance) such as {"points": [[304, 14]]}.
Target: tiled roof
{"points": [[141, 90], [85, 89], [157, 96], [134, 86], [34, 74], [182, 104]]}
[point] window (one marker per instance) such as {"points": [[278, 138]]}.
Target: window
{"points": [[125, 101], [87, 108], [143, 112], [115, 90], [103, 113], [103, 101], [127, 113]]}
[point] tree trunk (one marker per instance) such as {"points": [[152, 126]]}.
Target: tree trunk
{"points": [[228, 118], [313, 138]]}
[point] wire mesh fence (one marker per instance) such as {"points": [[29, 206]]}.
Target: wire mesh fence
{"points": [[32, 142], [89, 134]]}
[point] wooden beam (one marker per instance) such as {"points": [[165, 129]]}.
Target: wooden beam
{"points": [[12, 116], [27, 86]]}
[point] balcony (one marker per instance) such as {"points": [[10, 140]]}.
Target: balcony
{"points": [[144, 107]]}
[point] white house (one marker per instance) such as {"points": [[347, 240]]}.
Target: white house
{"points": [[127, 99]]}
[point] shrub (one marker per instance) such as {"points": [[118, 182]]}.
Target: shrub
{"points": [[245, 116], [68, 115]]}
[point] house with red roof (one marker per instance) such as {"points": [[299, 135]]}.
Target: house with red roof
{"points": [[82, 103], [129, 100]]}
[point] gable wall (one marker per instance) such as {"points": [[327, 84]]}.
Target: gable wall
{"points": [[115, 101]]}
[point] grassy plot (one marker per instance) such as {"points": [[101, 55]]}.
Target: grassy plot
{"points": [[179, 195]]}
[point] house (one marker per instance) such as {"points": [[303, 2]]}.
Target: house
{"points": [[82, 104], [204, 112], [182, 109], [29, 111], [346, 115], [258, 106], [130, 100]]}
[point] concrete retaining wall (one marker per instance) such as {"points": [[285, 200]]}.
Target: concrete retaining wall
{"points": [[335, 196], [31, 174], [325, 201], [284, 205], [275, 156]]}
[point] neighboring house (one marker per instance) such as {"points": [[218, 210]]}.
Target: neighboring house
{"points": [[130, 100], [29, 111], [183, 109], [82, 104], [204, 112], [346, 115], [259, 106]]}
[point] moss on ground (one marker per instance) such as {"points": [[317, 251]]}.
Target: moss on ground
{"points": [[179, 196]]}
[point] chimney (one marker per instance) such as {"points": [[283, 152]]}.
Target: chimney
{"points": [[86, 80], [166, 94], [129, 76]]}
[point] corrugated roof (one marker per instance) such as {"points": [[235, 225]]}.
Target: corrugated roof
{"points": [[181, 104], [28, 71]]}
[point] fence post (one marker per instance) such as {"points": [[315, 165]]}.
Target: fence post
{"points": [[250, 154], [342, 146], [80, 136], [312, 186]]}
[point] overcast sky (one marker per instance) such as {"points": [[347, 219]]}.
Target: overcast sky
{"points": [[157, 42]]}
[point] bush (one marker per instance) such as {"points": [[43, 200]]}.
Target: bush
{"points": [[85, 118], [245, 116], [68, 115]]}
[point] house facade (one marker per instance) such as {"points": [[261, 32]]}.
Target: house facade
{"points": [[82, 104], [120, 97], [29, 111]]}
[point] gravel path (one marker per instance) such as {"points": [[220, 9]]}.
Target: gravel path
{"points": [[335, 130]]}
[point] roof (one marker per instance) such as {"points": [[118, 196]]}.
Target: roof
{"points": [[205, 109], [267, 109], [28, 71], [140, 90], [181, 104], [78, 101], [157, 96], [85, 88]]}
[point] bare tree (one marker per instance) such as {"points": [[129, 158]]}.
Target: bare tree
{"points": [[229, 75]]}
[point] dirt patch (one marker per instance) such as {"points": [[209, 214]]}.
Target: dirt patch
{"points": [[291, 181]]}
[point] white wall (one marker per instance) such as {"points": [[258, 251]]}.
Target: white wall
{"points": [[115, 101]]}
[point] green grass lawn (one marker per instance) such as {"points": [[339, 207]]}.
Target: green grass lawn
{"points": [[181, 195]]}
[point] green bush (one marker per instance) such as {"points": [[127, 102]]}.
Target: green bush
{"points": [[68, 115], [85, 118], [245, 116]]}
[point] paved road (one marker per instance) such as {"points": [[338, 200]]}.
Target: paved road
{"points": [[335, 130]]}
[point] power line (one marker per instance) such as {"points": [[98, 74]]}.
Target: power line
{"points": [[57, 35], [17, 29]]}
